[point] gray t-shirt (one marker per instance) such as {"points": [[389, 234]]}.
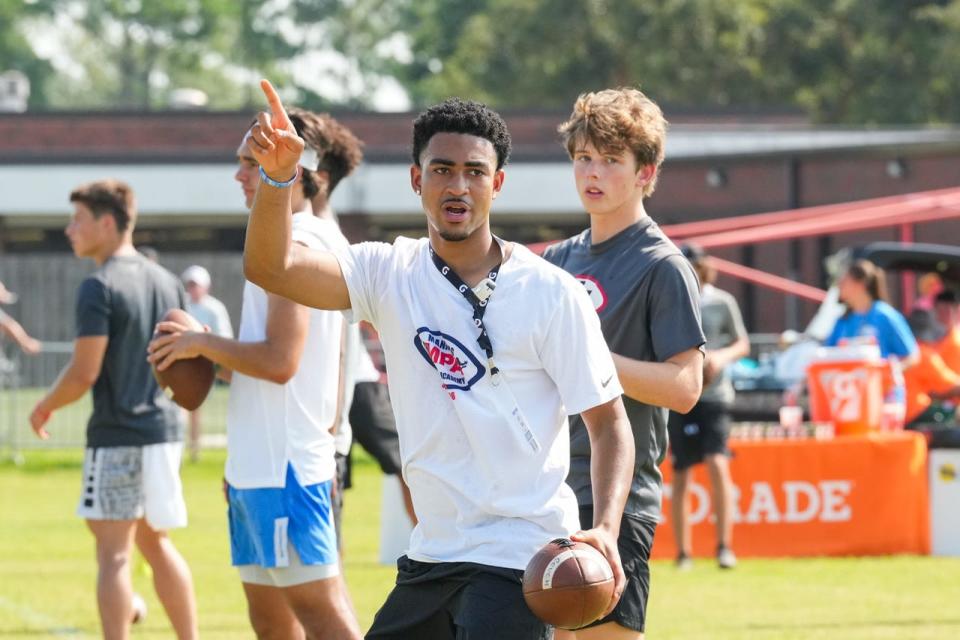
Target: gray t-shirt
{"points": [[123, 300], [723, 325], [648, 299]]}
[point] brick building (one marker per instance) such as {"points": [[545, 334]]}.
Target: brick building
{"points": [[181, 165]]}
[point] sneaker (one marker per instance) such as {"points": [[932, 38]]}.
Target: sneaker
{"points": [[725, 558], [139, 609], [684, 562]]}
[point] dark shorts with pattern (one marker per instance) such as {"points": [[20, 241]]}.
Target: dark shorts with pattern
{"points": [[702, 432], [456, 601], [634, 544]]}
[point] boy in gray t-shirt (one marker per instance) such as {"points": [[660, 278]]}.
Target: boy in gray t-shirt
{"points": [[648, 300], [131, 482]]}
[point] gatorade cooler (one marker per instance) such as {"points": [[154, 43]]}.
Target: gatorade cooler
{"points": [[846, 386]]}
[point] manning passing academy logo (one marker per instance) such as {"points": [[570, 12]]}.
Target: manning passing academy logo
{"points": [[458, 367], [597, 295]]}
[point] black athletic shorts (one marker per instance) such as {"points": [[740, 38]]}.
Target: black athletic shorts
{"points": [[634, 544], [700, 433], [374, 427], [456, 601], [336, 497]]}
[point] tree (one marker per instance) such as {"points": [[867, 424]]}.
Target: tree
{"points": [[129, 49], [16, 53], [132, 53], [839, 60]]}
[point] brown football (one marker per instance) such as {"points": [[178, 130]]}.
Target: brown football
{"points": [[187, 382], [568, 584]]}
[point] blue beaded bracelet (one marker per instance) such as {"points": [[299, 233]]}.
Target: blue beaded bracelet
{"points": [[280, 185]]}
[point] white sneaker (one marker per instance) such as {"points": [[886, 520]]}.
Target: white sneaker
{"points": [[684, 563], [139, 609], [726, 558]]}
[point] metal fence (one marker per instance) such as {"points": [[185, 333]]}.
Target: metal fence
{"points": [[47, 284]]}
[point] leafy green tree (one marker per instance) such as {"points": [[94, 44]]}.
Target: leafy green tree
{"points": [[16, 52], [132, 53], [855, 61], [130, 48]]}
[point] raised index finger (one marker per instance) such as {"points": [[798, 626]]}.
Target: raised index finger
{"points": [[276, 107]]}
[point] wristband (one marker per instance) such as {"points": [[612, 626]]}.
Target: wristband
{"points": [[280, 185]]}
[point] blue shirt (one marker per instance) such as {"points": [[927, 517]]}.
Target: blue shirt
{"points": [[883, 323]]}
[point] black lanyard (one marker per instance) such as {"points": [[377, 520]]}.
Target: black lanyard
{"points": [[479, 304]]}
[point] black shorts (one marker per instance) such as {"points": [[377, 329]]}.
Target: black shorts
{"points": [[336, 497], [374, 427], [700, 433], [634, 543], [456, 601]]}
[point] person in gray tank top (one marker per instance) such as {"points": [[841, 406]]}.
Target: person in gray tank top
{"points": [[701, 434], [647, 298]]}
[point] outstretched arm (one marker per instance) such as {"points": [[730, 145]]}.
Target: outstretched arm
{"points": [[18, 334], [310, 277]]}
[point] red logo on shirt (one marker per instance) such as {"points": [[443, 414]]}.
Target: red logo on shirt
{"points": [[597, 295], [458, 367]]}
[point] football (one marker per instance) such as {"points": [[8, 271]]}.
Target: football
{"points": [[568, 584], [187, 382]]}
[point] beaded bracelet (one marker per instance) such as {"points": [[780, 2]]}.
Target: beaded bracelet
{"points": [[280, 185]]}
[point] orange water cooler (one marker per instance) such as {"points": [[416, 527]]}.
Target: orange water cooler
{"points": [[846, 387]]}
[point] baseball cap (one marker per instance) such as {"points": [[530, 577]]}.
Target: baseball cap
{"points": [[197, 275], [693, 252]]}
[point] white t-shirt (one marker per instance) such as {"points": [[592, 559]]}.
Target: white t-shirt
{"points": [[211, 312], [480, 493], [359, 368], [352, 351], [366, 370], [269, 424]]}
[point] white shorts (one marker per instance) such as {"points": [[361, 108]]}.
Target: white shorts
{"points": [[289, 576], [128, 483]]}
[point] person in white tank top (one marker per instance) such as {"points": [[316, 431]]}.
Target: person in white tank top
{"points": [[284, 407]]}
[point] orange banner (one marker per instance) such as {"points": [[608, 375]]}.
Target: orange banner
{"points": [[853, 495]]}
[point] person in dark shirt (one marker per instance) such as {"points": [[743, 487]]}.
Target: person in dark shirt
{"points": [[131, 483], [647, 297]]}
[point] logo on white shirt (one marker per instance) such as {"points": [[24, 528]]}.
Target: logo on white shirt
{"points": [[592, 286], [459, 368]]}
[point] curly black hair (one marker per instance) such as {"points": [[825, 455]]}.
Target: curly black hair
{"points": [[339, 150], [461, 116]]}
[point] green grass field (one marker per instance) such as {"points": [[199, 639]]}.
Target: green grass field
{"points": [[47, 573]]}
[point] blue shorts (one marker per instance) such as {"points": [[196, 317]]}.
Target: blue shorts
{"points": [[265, 523]]}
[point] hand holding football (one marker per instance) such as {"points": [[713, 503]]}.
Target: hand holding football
{"points": [[189, 379], [568, 584]]}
